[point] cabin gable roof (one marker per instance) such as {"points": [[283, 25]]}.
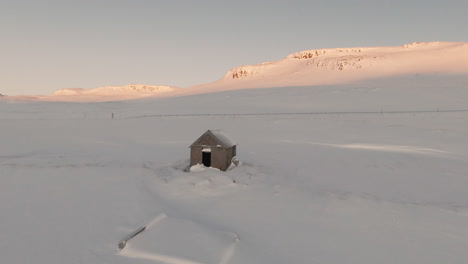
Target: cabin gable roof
{"points": [[214, 137]]}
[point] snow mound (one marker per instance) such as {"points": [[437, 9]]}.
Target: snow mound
{"points": [[199, 182], [201, 168]]}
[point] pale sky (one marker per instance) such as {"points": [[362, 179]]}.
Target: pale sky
{"points": [[54, 44]]}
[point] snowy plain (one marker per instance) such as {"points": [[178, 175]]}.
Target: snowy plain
{"points": [[321, 187], [357, 156]]}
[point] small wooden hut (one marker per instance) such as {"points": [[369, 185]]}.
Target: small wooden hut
{"points": [[213, 149]]}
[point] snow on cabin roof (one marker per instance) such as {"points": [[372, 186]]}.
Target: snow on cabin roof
{"points": [[220, 136], [225, 140]]}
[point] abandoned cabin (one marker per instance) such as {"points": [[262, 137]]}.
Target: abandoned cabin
{"points": [[213, 149]]}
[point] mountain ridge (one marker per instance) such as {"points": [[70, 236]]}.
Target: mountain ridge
{"points": [[304, 68], [347, 58], [345, 66]]}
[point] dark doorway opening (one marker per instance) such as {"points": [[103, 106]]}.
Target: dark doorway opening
{"points": [[206, 159]]}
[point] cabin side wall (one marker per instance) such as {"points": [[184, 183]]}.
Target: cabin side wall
{"points": [[230, 153]]}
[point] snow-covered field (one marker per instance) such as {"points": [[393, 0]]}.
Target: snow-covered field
{"points": [[343, 187]]}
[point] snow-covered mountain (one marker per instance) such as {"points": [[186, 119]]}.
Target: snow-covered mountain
{"points": [[111, 92], [305, 68], [429, 57], [346, 65], [108, 90]]}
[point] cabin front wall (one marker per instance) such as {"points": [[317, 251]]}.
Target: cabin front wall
{"points": [[206, 140], [196, 156], [220, 157]]}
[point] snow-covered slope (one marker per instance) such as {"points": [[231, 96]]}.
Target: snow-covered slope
{"points": [[347, 65]]}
